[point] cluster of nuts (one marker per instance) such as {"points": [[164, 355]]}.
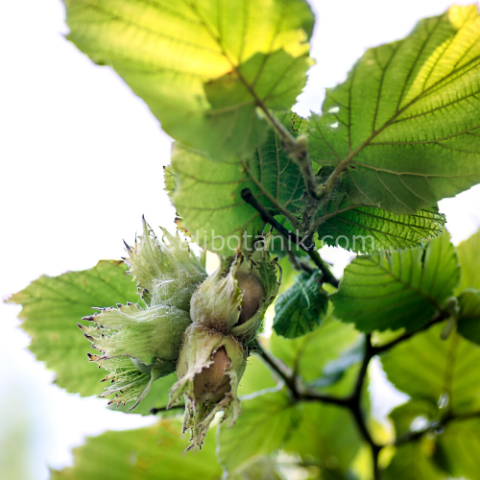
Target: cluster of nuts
{"points": [[195, 325]]}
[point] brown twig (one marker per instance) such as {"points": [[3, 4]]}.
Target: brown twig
{"points": [[155, 410], [309, 247], [299, 393]]}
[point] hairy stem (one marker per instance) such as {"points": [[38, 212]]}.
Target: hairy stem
{"points": [[297, 148], [309, 247], [267, 217]]}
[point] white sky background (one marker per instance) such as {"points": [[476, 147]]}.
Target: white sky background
{"points": [[81, 161]]}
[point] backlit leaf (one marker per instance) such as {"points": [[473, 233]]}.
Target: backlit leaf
{"points": [[405, 125], [147, 453], [201, 66], [369, 229], [328, 435], [208, 195], [266, 422], [443, 372], [52, 307], [311, 353], [397, 289]]}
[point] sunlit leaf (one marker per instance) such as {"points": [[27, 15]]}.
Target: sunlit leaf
{"points": [[448, 452], [457, 449], [413, 416], [208, 195], [147, 453], [257, 377], [443, 372], [52, 307], [369, 229], [263, 468], [336, 369], [202, 67], [311, 353], [263, 427], [328, 435], [398, 289], [413, 461], [405, 125]]}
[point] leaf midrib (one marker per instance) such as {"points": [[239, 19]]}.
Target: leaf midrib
{"points": [[353, 153], [231, 58], [408, 285]]}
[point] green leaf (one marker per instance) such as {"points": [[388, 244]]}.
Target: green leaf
{"points": [[414, 416], [257, 377], [169, 180], [469, 256], [311, 353], [443, 372], [404, 126], [469, 321], [468, 290], [336, 369], [263, 468], [288, 275], [52, 307], [201, 66], [263, 427], [208, 196], [147, 453], [301, 309], [458, 448], [448, 452], [396, 289], [209, 201], [326, 434], [413, 461], [369, 229]]}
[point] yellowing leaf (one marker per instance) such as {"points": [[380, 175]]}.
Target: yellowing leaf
{"points": [[202, 66], [404, 128]]}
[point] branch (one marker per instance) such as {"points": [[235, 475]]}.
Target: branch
{"points": [[297, 148], [437, 318], [414, 436], [292, 381], [154, 411], [299, 264], [278, 367], [267, 217], [328, 276], [355, 401]]}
